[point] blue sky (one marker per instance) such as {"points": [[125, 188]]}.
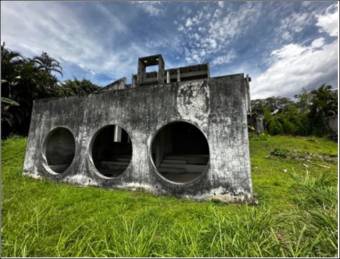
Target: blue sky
{"points": [[283, 45]]}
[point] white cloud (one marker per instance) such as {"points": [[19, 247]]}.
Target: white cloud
{"points": [[225, 59], [286, 35], [317, 43], [297, 22], [296, 67], [220, 4], [306, 3], [293, 24], [61, 32], [213, 30], [328, 21], [153, 8], [188, 23], [290, 50], [118, 25]]}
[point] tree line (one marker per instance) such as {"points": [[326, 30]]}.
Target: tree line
{"points": [[25, 79], [308, 113]]}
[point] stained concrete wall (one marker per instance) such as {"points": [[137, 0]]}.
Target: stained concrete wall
{"points": [[217, 106]]}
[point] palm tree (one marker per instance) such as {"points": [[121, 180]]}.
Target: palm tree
{"points": [[10, 62], [23, 81], [77, 87], [9, 56], [47, 63]]}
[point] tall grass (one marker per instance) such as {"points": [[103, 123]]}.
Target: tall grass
{"points": [[296, 215]]}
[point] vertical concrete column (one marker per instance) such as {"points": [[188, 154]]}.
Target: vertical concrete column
{"points": [[167, 77], [141, 72], [133, 81], [178, 75], [259, 124], [248, 104], [160, 73], [117, 134]]}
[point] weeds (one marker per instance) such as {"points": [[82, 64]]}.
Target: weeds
{"points": [[296, 215]]}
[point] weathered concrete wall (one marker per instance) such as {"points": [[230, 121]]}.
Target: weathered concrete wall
{"points": [[217, 106], [333, 124]]}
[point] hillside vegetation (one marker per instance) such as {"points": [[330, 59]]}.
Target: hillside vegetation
{"points": [[294, 178]]}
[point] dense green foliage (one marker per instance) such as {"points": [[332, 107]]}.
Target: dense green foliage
{"points": [[294, 178], [23, 80], [308, 114]]}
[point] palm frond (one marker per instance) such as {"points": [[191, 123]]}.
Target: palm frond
{"points": [[9, 101]]}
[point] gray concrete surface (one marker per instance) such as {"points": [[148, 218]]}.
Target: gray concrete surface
{"points": [[212, 159]]}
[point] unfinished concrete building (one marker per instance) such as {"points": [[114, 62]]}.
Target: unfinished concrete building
{"points": [[172, 131]]}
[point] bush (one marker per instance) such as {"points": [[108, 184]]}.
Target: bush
{"points": [[275, 127], [307, 115]]}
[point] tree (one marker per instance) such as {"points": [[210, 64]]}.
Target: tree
{"points": [[10, 63], [47, 64], [304, 100], [308, 114], [324, 105], [77, 87], [22, 82]]}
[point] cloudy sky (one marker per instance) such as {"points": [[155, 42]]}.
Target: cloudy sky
{"points": [[283, 45]]}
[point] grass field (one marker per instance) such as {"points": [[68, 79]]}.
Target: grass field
{"points": [[296, 214]]}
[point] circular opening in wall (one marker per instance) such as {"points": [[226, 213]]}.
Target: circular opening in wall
{"points": [[59, 149], [111, 150], [180, 152]]}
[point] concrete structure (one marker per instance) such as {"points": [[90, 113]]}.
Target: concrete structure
{"points": [[259, 124], [176, 131]]}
